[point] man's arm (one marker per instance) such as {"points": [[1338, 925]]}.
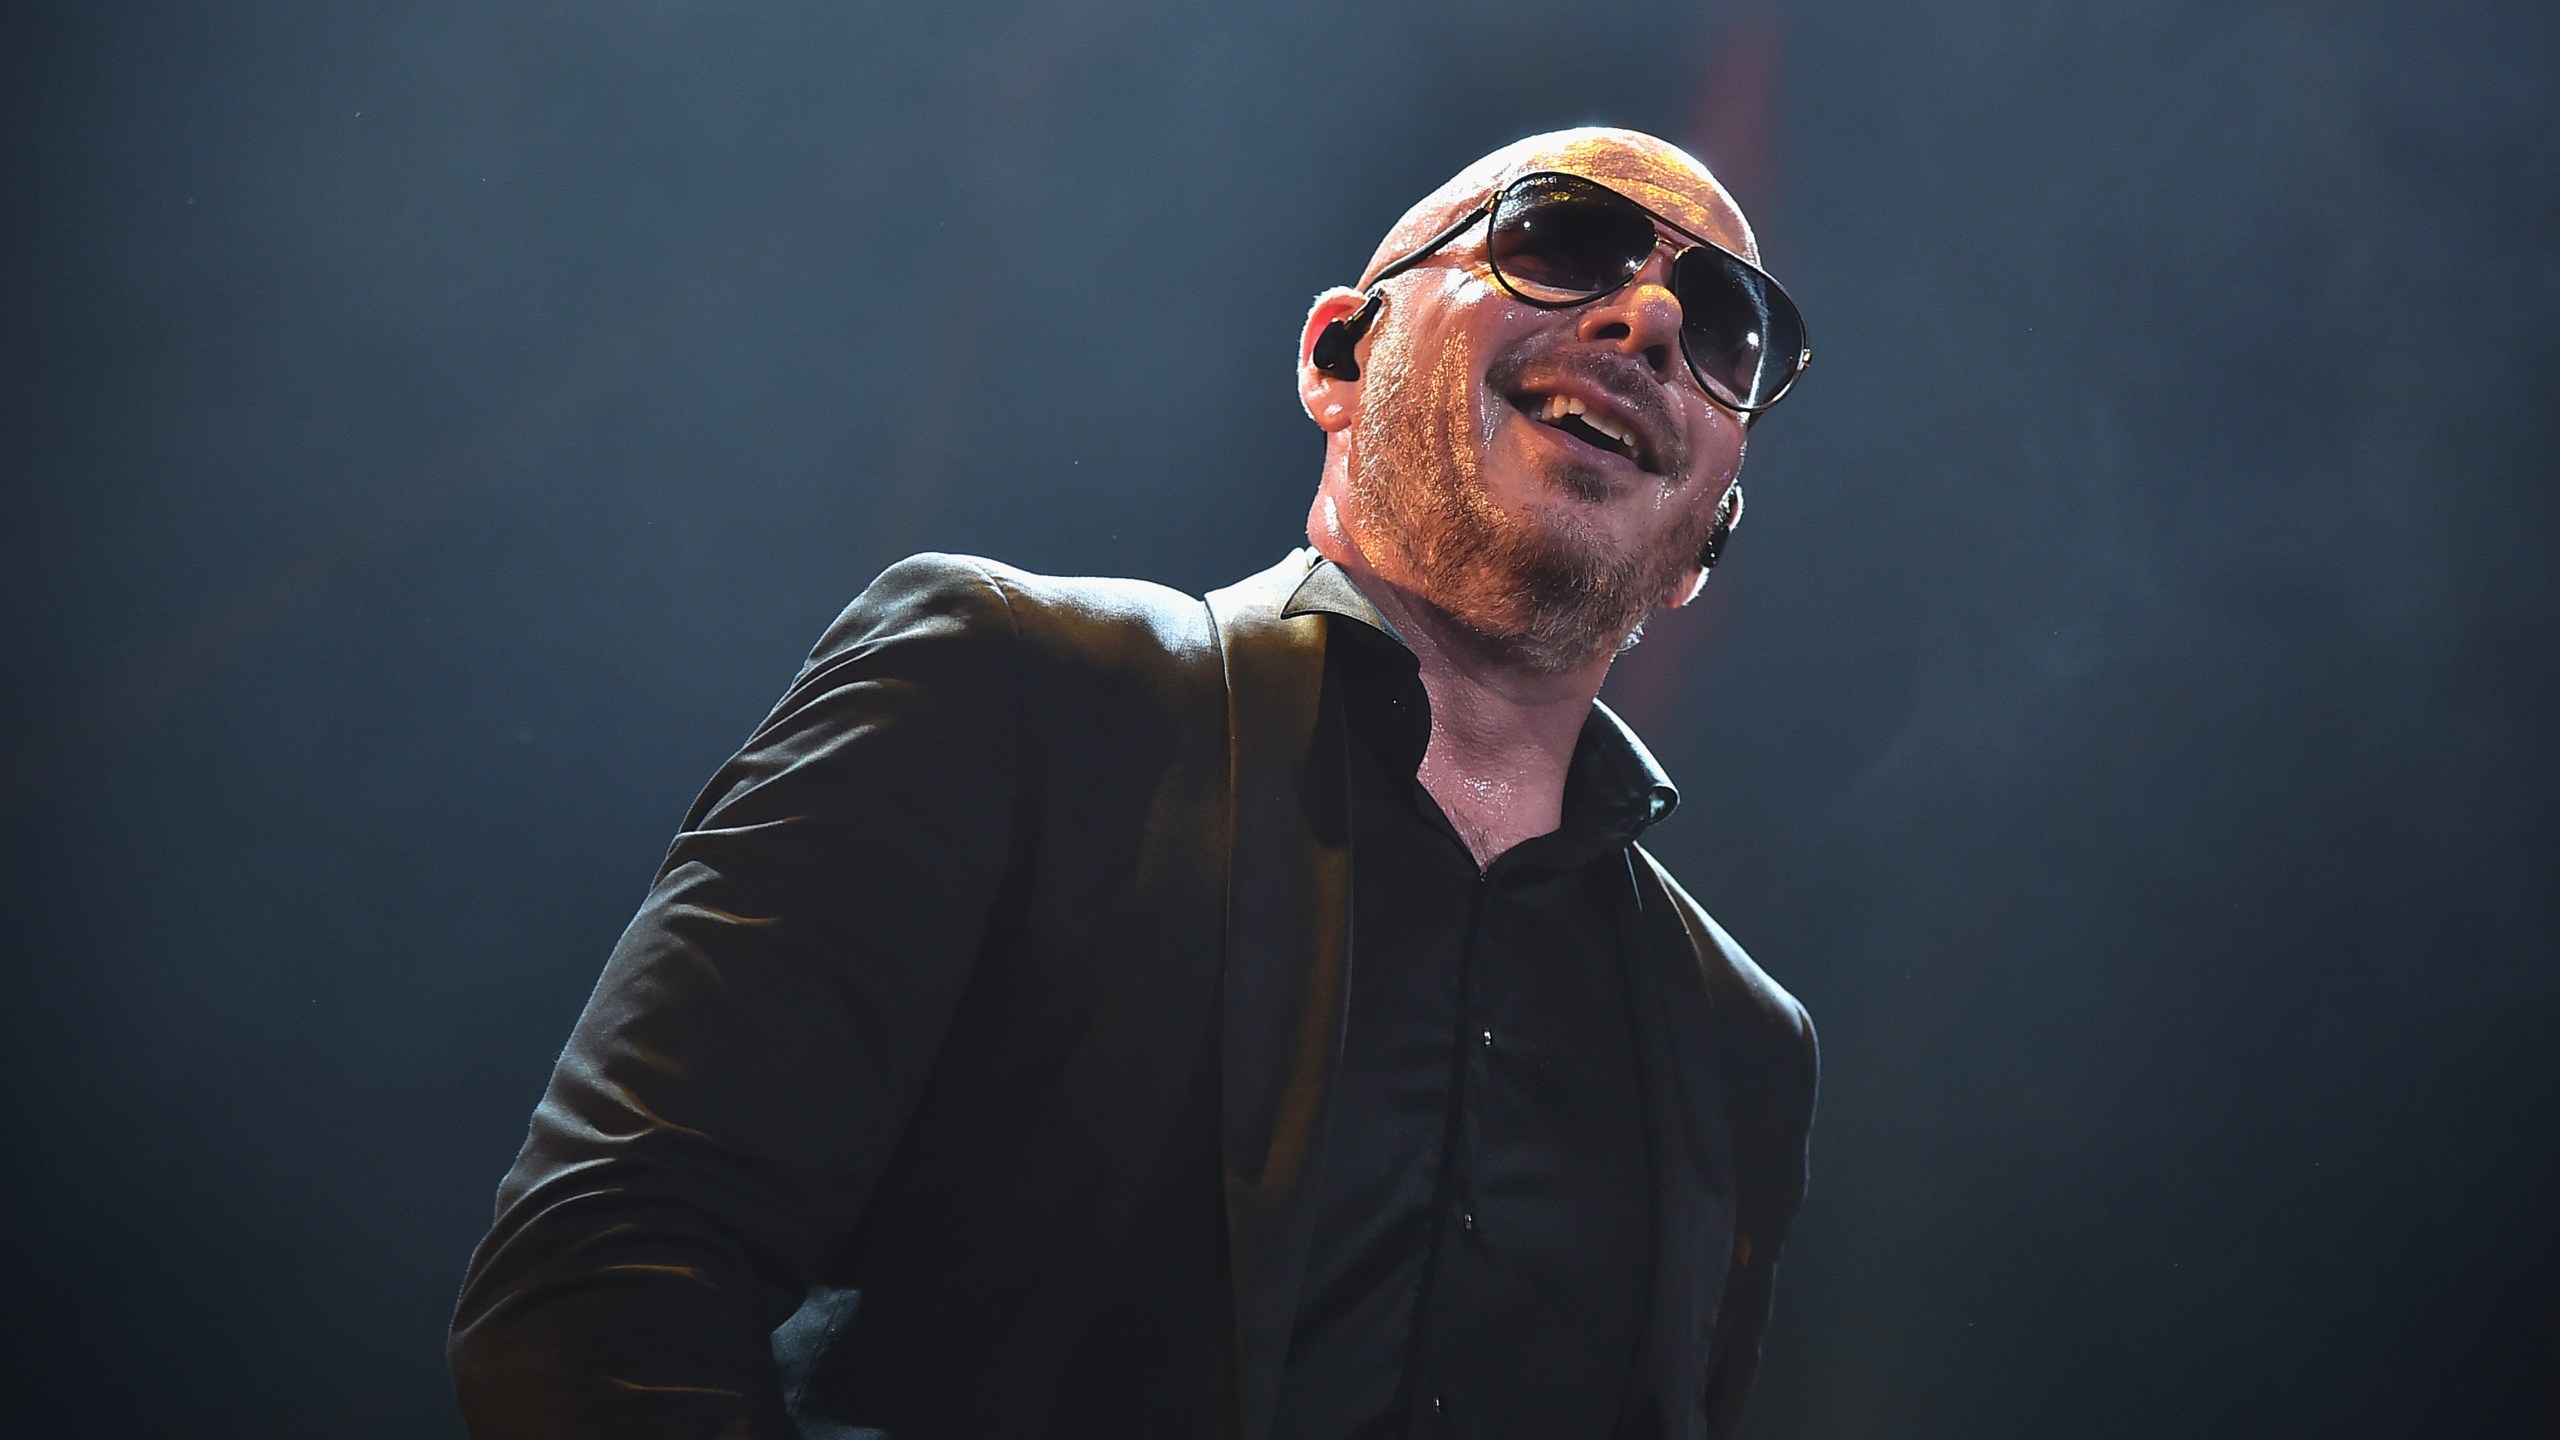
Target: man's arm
{"points": [[759, 1036], [1771, 1191]]}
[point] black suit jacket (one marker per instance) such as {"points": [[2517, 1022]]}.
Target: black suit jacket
{"points": [[964, 1074]]}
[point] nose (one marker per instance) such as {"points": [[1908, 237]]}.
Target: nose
{"points": [[1641, 319]]}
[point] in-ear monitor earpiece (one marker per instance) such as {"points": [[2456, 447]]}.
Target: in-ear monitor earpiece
{"points": [[1334, 343]]}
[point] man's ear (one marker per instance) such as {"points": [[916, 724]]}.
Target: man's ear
{"points": [[1330, 401]]}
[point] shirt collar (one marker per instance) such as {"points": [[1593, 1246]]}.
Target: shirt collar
{"points": [[1327, 589], [1613, 782]]}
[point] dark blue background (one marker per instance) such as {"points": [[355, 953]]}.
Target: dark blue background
{"points": [[433, 434]]}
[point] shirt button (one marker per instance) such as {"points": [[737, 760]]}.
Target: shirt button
{"points": [[1488, 1037], [1435, 1404], [1467, 1221]]}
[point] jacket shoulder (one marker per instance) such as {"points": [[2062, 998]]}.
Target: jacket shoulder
{"points": [[1739, 987], [1073, 618]]}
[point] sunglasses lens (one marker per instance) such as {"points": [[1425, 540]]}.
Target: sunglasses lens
{"points": [[1558, 239], [1743, 337]]}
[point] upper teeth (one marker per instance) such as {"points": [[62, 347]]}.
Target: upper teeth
{"points": [[1559, 406]]}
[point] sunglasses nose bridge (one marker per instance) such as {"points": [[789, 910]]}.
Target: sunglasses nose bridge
{"points": [[1658, 267], [1641, 316]]}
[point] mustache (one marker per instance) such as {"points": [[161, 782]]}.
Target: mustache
{"points": [[1627, 379]]}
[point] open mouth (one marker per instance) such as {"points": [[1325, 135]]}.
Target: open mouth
{"points": [[1589, 424]]}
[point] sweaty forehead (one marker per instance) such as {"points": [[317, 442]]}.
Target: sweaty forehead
{"points": [[1653, 172]]}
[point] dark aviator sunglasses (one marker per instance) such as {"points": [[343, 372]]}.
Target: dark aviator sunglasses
{"points": [[1558, 240]]}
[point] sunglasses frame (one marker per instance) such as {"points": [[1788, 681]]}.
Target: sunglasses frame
{"points": [[1485, 209]]}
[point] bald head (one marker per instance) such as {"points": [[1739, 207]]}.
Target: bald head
{"points": [[1653, 172]]}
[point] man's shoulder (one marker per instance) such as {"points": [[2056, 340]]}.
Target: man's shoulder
{"points": [[1059, 616], [1751, 1008], [1100, 598]]}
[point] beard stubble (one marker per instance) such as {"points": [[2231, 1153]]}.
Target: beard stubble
{"points": [[1543, 590]]}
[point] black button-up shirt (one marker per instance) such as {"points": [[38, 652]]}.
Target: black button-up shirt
{"points": [[1483, 1231]]}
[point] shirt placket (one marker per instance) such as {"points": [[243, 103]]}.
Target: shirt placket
{"points": [[1455, 1232]]}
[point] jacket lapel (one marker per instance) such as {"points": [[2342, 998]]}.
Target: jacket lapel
{"points": [[1693, 1179], [1287, 958]]}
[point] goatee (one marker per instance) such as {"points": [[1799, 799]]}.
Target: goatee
{"points": [[1543, 592]]}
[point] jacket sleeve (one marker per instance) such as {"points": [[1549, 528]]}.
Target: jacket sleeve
{"points": [[1775, 1123], [759, 1035]]}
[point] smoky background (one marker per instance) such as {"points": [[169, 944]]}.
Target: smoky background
{"points": [[433, 436]]}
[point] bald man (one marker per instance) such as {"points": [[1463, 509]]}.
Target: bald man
{"points": [[1083, 1009]]}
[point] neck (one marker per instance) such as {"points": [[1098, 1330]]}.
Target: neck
{"points": [[1502, 735]]}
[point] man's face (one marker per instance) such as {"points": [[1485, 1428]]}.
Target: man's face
{"points": [[1473, 480]]}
